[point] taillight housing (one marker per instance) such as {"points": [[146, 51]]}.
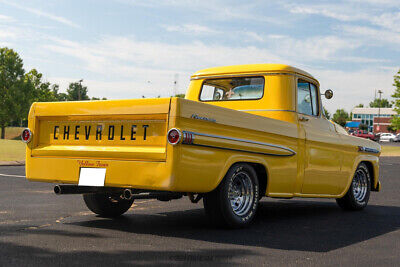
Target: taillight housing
{"points": [[174, 136], [26, 135]]}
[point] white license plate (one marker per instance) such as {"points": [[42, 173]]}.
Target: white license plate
{"points": [[92, 177]]}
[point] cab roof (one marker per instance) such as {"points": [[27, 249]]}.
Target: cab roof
{"points": [[250, 68]]}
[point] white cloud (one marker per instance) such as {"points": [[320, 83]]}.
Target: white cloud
{"points": [[320, 48], [7, 34], [190, 29], [41, 13], [373, 36], [390, 21], [329, 11], [4, 18], [126, 65], [379, 3]]}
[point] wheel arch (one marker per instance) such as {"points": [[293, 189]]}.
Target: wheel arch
{"points": [[260, 167], [372, 163], [371, 170]]}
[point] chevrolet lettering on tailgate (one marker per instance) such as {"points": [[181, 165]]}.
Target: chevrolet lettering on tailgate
{"points": [[85, 131], [241, 133]]}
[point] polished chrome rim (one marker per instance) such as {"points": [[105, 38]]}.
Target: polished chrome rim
{"points": [[360, 185], [241, 193]]}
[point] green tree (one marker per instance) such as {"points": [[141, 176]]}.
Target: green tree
{"points": [[41, 91], [360, 105], [59, 96], [341, 117], [395, 122], [327, 114], [11, 84], [384, 103], [76, 91], [180, 95]]}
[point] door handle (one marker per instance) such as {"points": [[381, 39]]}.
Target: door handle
{"points": [[303, 119]]}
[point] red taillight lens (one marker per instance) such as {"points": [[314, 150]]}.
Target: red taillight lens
{"points": [[174, 136], [26, 135]]}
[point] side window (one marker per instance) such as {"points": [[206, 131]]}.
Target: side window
{"points": [[304, 98], [314, 99], [307, 98]]}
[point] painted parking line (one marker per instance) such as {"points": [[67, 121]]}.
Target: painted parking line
{"points": [[11, 175]]}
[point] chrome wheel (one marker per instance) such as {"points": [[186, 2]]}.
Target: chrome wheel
{"points": [[360, 185], [241, 193]]}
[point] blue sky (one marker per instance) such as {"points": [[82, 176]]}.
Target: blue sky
{"points": [[130, 48]]}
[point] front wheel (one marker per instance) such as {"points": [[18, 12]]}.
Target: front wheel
{"points": [[107, 205], [357, 196], [234, 202]]}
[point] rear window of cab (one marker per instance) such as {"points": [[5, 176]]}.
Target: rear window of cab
{"points": [[235, 88]]}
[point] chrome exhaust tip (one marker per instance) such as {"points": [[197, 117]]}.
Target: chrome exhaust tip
{"points": [[127, 194]]}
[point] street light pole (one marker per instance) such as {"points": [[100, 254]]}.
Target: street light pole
{"points": [[379, 108], [79, 89]]}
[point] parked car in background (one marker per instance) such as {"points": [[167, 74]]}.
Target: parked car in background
{"points": [[387, 137], [397, 138], [365, 134]]}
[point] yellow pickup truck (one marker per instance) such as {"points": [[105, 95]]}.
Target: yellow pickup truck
{"points": [[242, 133]]}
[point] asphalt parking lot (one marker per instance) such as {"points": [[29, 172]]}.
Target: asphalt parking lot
{"points": [[40, 228]]}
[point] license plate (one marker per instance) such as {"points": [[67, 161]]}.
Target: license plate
{"points": [[92, 176]]}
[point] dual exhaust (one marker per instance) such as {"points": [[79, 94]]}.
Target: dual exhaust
{"points": [[125, 193]]}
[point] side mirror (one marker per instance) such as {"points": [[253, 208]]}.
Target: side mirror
{"points": [[328, 94]]}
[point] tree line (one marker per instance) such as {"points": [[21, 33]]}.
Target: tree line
{"points": [[19, 89]]}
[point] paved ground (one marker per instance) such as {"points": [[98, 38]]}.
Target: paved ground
{"points": [[38, 228]]}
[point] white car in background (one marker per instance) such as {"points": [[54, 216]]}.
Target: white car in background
{"points": [[387, 137]]}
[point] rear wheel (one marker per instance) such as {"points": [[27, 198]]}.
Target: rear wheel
{"points": [[234, 202], [107, 205], [357, 196]]}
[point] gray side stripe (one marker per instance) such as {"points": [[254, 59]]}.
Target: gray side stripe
{"points": [[244, 141]]}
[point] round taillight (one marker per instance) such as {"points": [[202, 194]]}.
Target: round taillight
{"points": [[26, 135], [174, 136]]}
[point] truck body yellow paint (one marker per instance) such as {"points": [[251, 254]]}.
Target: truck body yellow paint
{"points": [[303, 157]]}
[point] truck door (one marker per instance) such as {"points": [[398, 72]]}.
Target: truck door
{"points": [[322, 157]]}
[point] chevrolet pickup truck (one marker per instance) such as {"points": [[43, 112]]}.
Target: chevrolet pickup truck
{"points": [[242, 133]]}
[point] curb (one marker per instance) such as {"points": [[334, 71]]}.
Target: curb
{"points": [[12, 163]]}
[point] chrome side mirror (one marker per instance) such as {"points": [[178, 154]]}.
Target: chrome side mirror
{"points": [[328, 94]]}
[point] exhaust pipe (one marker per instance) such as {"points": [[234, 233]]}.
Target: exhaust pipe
{"points": [[74, 189], [127, 194]]}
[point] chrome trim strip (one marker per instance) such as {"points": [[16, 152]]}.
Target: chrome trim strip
{"points": [[241, 75], [244, 141], [267, 110], [368, 150]]}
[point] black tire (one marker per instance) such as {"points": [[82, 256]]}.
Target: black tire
{"points": [[106, 205], [217, 204], [357, 200]]}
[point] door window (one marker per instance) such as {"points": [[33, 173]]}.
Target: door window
{"points": [[307, 98]]}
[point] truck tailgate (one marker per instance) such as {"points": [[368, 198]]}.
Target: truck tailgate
{"points": [[121, 129]]}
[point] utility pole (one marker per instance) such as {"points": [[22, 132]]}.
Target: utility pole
{"points": [[176, 78], [79, 89], [379, 107]]}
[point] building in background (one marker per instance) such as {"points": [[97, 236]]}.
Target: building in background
{"points": [[369, 117]]}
